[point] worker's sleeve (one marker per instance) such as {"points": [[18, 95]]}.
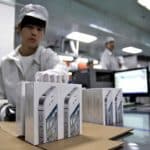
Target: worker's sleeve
{"points": [[104, 61], [53, 62]]}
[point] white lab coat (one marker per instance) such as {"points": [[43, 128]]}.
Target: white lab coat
{"points": [[11, 71], [108, 60]]}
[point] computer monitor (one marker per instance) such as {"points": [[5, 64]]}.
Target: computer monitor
{"points": [[133, 82]]}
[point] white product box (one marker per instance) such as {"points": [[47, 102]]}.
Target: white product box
{"points": [[118, 105], [72, 105], [98, 105], [20, 109], [46, 111]]}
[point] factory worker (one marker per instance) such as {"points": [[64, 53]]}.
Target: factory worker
{"points": [[108, 60], [30, 60]]}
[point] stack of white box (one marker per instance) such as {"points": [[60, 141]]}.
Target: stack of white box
{"points": [[103, 106], [52, 111]]}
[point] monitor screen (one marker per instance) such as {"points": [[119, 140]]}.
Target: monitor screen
{"points": [[132, 82]]}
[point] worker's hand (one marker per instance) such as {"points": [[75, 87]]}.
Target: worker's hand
{"points": [[52, 76]]}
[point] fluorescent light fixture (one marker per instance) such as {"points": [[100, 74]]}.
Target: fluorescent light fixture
{"points": [[99, 66], [101, 28], [81, 59], [132, 50], [70, 73], [144, 3], [82, 37], [9, 1], [95, 61], [132, 144], [66, 58], [147, 44]]}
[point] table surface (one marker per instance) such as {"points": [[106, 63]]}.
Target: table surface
{"points": [[93, 137]]}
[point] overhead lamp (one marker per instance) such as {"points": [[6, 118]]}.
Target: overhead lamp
{"points": [[95, 61], [101, 28], [147, 44], [82, 37], [98, 66], [66, 58], [82, 60], [9, 1], [144, 3], [70, 73], [132, 50]]}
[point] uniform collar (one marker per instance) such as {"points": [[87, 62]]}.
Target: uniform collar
{"points": [[15, 53], [108, 51]]}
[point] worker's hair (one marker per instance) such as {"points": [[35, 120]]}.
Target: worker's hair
{"points": [[28, 20]]}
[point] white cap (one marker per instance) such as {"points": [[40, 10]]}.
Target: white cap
{"points": [[109, 39], [33, 10]]}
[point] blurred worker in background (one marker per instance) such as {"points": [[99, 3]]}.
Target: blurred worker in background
{"points": [[30, 60], [108, 60], [90, 64]]}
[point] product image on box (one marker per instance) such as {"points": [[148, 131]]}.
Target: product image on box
{"points": [[48, 116], [75, 122], [71, 114], [118, 109], [108, 110]]}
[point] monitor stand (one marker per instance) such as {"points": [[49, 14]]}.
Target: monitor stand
{"points": [[132, 99]]}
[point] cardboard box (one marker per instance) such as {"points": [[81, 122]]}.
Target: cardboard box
{"points": [[99, 105], [94, 136], [50, 107]]}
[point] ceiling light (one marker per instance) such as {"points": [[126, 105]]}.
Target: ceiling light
{"points": [[82, 37], [144, 3], [9, 1], [66, 58], [95, 61], [82, 60], [101, 28], [147, 44], [99, 66], [132, 50], [70, 73]]}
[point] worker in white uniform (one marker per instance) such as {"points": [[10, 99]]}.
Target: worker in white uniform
{"points": [[108, 60], [30, 60]]}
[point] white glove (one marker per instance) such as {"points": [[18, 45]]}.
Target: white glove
{"points": [[52, 76]]}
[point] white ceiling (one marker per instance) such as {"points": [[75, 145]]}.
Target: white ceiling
{"points": [[129, 22]]}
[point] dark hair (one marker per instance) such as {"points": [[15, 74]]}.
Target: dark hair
{"points": [[28, 20]]}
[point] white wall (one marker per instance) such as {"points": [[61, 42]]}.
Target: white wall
{"points": [[7, 26]]}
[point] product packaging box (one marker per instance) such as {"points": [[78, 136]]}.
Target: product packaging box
{"points": [[52, 112], [20, 109], [118, 105], [99, 105], [72, 109]]}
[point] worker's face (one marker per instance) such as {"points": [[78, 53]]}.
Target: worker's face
{"points": [[110, 45], [31, 36]]}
